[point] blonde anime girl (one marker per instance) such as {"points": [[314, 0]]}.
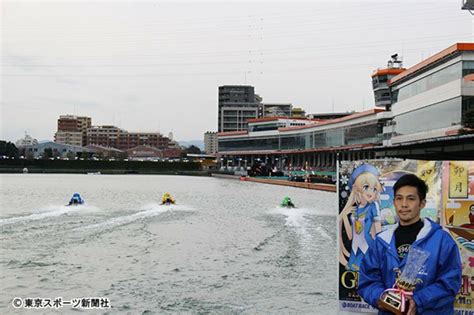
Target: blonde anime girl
{"points": [[363, 211]]}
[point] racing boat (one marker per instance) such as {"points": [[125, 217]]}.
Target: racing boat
{"points": [[76, 200], [167, 199]]}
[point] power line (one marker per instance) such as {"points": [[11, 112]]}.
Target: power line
{"points": [[268, 53]]}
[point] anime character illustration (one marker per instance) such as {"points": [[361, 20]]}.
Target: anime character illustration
{"points": [[363, 211]]}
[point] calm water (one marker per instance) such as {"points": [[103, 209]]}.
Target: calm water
{"points": [[224, 248]]}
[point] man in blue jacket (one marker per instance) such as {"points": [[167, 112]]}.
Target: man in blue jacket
{"points": [[441, 277]]}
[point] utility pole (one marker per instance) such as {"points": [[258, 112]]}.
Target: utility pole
{"points": [[469, 6]]}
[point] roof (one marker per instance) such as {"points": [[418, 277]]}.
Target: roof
{"points": [[144, 148], [316, 122], [232, 133], [102, 148], [337, 120], [275, 118], [392, 71], [213, 156], [51, 144], [356, 147], [454, 49]]}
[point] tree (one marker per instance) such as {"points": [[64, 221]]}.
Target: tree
{"points": [[98, 155], [192, 149], [122, 155], [47, 153], [56, 153], [71, 155], [29, 155], [8, 149], [82, 155], [467, 121]]}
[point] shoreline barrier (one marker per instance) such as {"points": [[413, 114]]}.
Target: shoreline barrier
{"points": [[315, 186]]}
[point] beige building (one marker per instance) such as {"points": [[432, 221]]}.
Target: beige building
{"points": [[72, 130], [210, 142], [114, 137], [69, 137]]}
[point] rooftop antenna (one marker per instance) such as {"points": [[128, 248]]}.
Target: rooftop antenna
{"points": [[468, 5], [395, 62]]}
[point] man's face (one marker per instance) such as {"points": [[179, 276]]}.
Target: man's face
{"points": [[408, 205]]}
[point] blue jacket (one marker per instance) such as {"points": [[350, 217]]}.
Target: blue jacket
{"points": [[441, 275]]}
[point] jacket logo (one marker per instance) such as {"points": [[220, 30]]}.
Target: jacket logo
{"points": [[403, 250]]}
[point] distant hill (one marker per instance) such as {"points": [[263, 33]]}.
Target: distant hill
{"points": [[197, 143]]}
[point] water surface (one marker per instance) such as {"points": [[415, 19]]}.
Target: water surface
{"points": [[224, 248]]}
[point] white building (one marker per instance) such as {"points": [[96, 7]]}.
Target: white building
{"points": [[430, 98], [57, 149], [27, 140]]}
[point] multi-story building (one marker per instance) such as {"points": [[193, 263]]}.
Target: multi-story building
{"points": [[303, 142], [430, 98], [72, 130], [380, 79], [274, 123], [210, 142], [237, 104], [298, 112], [111, 136], [325, 116], [423, 120], [106, 136], [69, 137], [275, 110], [27, 140]]}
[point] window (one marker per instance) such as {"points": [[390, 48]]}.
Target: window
{"points": [[429, 82], [437, 116], [467, 68]]}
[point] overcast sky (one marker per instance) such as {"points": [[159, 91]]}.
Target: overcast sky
{"points": [[156, 66]]}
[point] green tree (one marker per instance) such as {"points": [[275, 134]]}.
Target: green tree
{"points": [[122, 155], [467, 121], [29, 155], [8, 149], [47, 153], [192, 149], [56, 153], [99, 155], [71, 155]]}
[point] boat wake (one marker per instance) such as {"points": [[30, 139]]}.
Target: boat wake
{"points": [[50, 212], [147, 211], [299, 220]]}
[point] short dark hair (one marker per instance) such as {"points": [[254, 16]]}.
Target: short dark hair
{"points": [[413, 181]]}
